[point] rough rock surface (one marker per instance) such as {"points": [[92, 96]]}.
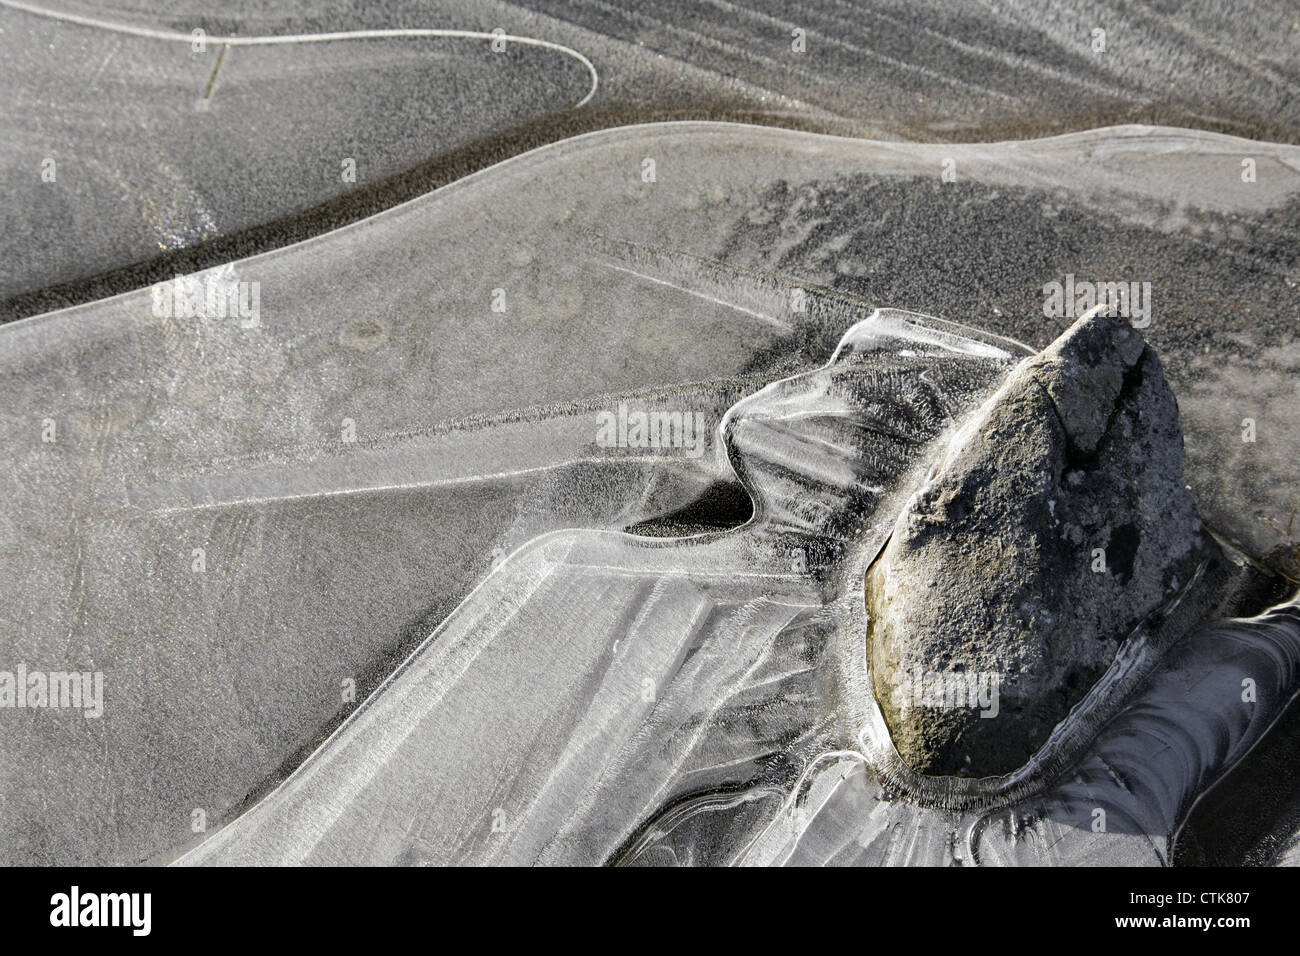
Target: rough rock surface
{"points": [[1056, 523]]}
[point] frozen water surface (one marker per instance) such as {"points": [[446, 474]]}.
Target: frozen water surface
{"points": [[728, 283], [708, 702], [158, 141]]}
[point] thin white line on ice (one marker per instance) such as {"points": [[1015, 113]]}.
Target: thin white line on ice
{"points": [[415, 32], [699, 295]]}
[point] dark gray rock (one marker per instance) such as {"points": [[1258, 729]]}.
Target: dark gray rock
{"points": [[1056, 524]]}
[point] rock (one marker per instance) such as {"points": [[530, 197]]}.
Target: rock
{"points": [[1057, 521]]}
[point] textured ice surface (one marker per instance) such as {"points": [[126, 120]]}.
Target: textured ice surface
{"points": [[595, 680], [160, 147], [604, 699], [475, 430], [157, 145]]}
